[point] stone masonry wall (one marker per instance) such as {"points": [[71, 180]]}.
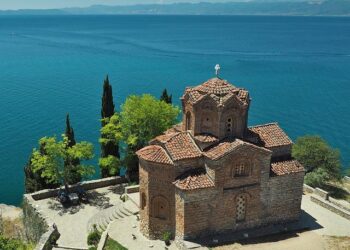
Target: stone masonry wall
{"points": [[156, 185], [285, 193]]}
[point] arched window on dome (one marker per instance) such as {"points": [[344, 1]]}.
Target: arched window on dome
{"points": [[188, 120]]}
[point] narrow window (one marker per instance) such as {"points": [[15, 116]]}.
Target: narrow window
{"points": [[229, 126], [188, 121], [240, 208], [143, 201]]}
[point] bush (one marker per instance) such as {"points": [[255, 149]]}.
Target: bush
{"points": [[92, 248], [166, 236], [94, 237]]}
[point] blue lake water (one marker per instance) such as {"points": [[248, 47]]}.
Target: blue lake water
{"points": [[297, 70]]}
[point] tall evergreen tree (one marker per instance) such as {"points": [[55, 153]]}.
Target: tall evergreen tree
{"points": [[74, 176], [107, 101], [166, 98], [110, 148]]}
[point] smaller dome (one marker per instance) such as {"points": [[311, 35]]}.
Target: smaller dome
{"points": [[216, 86]]}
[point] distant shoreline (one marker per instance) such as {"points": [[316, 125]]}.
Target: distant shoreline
{"points": [[250, 8]]}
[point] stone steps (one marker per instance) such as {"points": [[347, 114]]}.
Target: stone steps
{"points": [[103, 218]]}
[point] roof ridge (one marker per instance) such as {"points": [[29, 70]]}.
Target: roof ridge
{"points": [[263, 125]]}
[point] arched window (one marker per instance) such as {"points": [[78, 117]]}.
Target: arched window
{"points": [[240, 207], [143, 200], [160, 208], [240, 170], [188, 120]]}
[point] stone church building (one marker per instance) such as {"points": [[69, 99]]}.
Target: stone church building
{"points": [[213, 173]]}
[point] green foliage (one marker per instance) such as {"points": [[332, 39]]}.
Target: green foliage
{"points": [[321, 162], [52, 165], [110, 165], [110, 132], [92, 248], [107, 100], [143, 118], [13, 244], [166, 98], [166, 236], [74, 176], [34, 181], [113, 245], [94, 237]]}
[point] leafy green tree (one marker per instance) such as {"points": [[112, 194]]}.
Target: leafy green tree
{"points": [[109, 148], [74, 176], [33, 180], [52, 165], [143, 118], [111, 134], [322, 163], [166, 98]]}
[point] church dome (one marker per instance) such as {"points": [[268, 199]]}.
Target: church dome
{"points": [[216, 86]]}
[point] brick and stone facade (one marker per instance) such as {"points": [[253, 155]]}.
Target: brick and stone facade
{"points": [[214, 173]]}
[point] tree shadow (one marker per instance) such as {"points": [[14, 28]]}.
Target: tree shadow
{"points": [[99, 199], [64, 208], [118, 189]]}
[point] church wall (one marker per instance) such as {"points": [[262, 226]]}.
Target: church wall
{"points": [[159, 195], [284, 200]]}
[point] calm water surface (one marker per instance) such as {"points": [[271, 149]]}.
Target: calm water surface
{"points": [[297, 70]]}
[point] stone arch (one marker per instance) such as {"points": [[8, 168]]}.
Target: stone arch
{"points": [[160, 207]]}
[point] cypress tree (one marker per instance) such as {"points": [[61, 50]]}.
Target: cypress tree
{"points": [[107, 101], [74, 176], [165, 97], [107, 112]]}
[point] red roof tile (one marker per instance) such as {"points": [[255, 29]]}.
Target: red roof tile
{"points": [[286, 167], [154, 153], [268, 135], [221, 149], [194, 180], [181, 146], [218, 89], [205, 138]]}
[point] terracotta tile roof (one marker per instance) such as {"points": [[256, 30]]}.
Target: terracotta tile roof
{"points": [[174, 129], [195, 179], [181, 146], [222, 149], [205, 138], [217, 89], [154, 153], [268, 135], [286, 167], [215, 86]]}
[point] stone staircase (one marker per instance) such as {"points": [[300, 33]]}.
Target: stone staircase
{"points": [[103, 218]]}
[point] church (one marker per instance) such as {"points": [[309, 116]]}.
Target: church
{"points": [[213, 173]]}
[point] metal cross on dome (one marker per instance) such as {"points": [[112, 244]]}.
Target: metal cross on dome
{"points": [[217, 69]]}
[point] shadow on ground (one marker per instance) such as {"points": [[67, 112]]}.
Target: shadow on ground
{"points": [[271, 233], [96, 199]]}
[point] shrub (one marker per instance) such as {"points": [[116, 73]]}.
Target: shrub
{"points": [[166, 236], [94, 237]]}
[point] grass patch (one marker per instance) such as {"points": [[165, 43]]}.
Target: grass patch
{"points": [[113, 245]]}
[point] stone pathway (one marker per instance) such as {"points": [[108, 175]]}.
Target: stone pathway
{"points": [[119, 211]]}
